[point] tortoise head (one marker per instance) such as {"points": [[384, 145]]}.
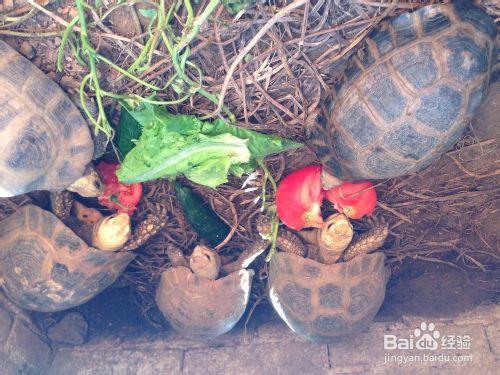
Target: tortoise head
{"points": [[328, 180], [89, 185]]}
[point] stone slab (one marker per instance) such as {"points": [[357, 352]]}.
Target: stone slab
{"points": [[115, 361], [26, 351], [273, 358]]}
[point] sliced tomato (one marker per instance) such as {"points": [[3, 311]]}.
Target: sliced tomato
{"points": [[299, 197], [355, 200], [117, 196]]}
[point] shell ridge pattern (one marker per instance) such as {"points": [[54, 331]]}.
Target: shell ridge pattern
{"points": [[349, 294], [40, 269], [446, 98], [36, 141]]}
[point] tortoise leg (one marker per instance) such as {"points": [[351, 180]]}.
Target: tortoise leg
{"points": [[176, 256], [286, 241], [61, 203], [368, 241], [247, 256], [145, 230]]}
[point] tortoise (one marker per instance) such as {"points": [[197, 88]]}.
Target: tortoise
{"points": [[406, 95], [322, 302], [45, 266], [199, 306], [45, 143]]}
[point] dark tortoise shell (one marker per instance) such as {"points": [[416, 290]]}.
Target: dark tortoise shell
{"points": [[45, 144], [408, 92], [322, 302], [44, 266]]}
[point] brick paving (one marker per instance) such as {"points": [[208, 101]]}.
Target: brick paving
{"points": [[270, 348]]}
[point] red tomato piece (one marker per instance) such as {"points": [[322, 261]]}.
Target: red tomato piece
{"points": [[117, 196], [299, 198], [355, 200]]}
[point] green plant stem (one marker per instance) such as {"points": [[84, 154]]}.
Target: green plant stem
{"points": [[128, 74], [190, 33], [101, 123], [64, 40], [274, 216]]}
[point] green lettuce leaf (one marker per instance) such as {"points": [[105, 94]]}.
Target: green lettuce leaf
{"points": [[204, 152], [128, 132]]}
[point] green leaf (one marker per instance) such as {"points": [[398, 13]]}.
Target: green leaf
{"points": [[260, 145], [205, 152], [128, 132], [148, 13]]}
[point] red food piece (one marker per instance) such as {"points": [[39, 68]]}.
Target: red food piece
{"points": [[355, 200], [117, 196], [299, 198]]}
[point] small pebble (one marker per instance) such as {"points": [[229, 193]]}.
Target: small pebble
{"points": [[27, 50], [57, 41], [71, 330], [69, 82]]}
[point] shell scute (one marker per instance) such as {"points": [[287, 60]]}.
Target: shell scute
{"points": [[33, 147], [327, 323], [404, 29], [383, 94], [7, 113], [298, 299], [310, 271], [382, 164], [68, 240], [417, 66], [476, 17], [40, 91], [361, 297], [439, 109], [467, 58], [365, 55], [358, 124], [382, 39], [330, 295], [409, 143], [433, 19], [475, 99], [17, 71]]}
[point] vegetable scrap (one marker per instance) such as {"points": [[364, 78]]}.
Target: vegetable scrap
{"points": [[117, 196], [300, 196], [355, 200], [200, 216], [204, 152]]}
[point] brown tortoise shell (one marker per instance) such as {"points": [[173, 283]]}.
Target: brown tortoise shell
{"points": [[202, 308], [45, 143], [44, 266], [324, 301], [408, 92]]}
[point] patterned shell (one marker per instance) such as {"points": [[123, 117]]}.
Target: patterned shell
{"points": [[323, 301], [202, 308], [44, 266], [408, 93], [45, 143]]}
